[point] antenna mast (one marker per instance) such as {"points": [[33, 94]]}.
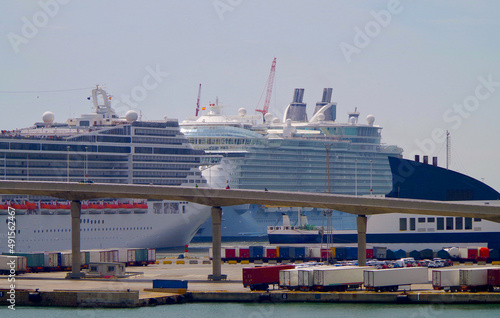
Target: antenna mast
{"points": [[448, 149], [269, 86], [198, 101]]}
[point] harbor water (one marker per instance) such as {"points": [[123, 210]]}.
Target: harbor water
{"points": [[264, 310]]}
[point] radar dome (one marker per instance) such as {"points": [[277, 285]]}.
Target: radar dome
{"points": [[288, 122], [370, 119], [48, 117], [242, 112], [352, 120], [321, 117], [268, 117], [276, 120], [131, 116]]}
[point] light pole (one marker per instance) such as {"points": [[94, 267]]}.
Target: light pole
{"points": [[67, 162], [356, 177], [86, 164], [371, 177]]}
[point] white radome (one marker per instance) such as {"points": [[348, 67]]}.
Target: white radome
{"points": [[48, 117], [131, 116]]}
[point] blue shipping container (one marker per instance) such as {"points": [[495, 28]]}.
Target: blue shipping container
{"points": [[256, 251], [352, 253], [165, 283], [284, 252]]}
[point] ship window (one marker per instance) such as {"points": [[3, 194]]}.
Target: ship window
{"points": [[412, 224], [402, 224], [477, 220], [459, 223], [421, 220], [440, 224], [449, 223], [468, 223], [430, 220]]}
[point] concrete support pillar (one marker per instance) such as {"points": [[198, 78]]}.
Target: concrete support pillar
{"points": [[361, 221], [216, 244], [75, 241]]}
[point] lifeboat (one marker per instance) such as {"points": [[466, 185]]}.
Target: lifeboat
{"points": [[20, 208], [96, 208], [47, 208], [4, 209], [32, 206], [84, 208], [125, 208], [110, 208], [140, 208], [63, 208]]}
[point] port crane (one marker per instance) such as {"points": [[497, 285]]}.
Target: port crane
{"points": [[269, 88]]}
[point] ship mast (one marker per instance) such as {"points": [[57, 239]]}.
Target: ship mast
{"points": [[448, 149]]}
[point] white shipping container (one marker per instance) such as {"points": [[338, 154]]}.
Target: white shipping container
{"points": [[395, 277], [463, 252], [442, 278], [151, 255], [290, 278], [306, 275], [94, 256], [473, 277], [315, 252], [19, 263], [51, 259], [338, 276]]}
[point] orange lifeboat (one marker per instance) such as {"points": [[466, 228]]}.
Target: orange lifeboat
{"points": [[140, 208], [84, 208], [32, 206], [125, 208], [110, 208], [63, 208], [47, 208], [96, 208], [20, 208], [4, 209]]}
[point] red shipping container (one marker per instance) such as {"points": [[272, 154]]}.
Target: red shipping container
{"points": [[494, 277], [271, 253], [472, 254], [369, 253], [230, 253], [254, 276], [244, 252], [326, 253]]}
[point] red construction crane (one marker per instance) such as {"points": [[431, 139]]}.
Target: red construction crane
{"points": [[269, 86], [198, 101]]}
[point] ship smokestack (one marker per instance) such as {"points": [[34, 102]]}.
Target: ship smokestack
{"points": [[296, 111], [417, 158], [426, 160], [331, 113], [435, 161]]}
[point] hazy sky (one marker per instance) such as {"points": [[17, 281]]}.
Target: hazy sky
{"points": [[420, 67]]}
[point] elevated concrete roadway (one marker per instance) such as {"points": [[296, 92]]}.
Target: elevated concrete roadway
{"points": [[217, 198]]}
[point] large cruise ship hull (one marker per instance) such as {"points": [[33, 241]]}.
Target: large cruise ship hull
{"points": [[144, 230]]}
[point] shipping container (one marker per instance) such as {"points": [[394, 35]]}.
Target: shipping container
{"points": [[229, 252], [338, 278], [369, 253], [141, 256], [391, 279], [256, 251], [306, 277], [284, 252], [380, 252], [483, 254], [352, 253], [341, 253], [12, 264], [271, 252], [472, 253], [243, 252], [446, 279], [289, 278], [126, 256], [493, 277], [151, 255], [259, 278], [34, 260], [474, 279], [51, 260], [463, 252], [176, 286]]}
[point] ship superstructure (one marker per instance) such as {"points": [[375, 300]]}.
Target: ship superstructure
{"points": [[292, 154], [101, 147]]}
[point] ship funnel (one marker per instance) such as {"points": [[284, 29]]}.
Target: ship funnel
{"points": [[296, 111], [286, 220], [326, 107]]}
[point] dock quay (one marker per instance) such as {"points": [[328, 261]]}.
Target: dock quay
{"points": [[52, 289]]}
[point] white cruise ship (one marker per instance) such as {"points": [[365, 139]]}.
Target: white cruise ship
{"points": [[101, 147], [290, 154]]}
